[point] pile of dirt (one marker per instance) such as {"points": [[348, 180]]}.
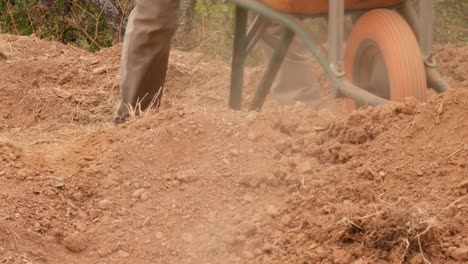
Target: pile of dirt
{"points": [[57, 82], [197, 183], [48, 82], [387, 183]]}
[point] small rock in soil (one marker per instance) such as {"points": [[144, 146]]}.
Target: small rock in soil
{"points": [[249, 198], [108, 183], [187, 176], [304, 168], [159, 235], [138, 193], [229, 239], [226, 162], [286, 220], [254, 244], [241, 238], [3, 55], [235, 152], [245, 180], [175, 182], [144, 196], [65, 79], [248, 229], [460, 254], [322, 252], [78, 196], [100, 70], [273, 211], [267, 248], [417, 259], [356, 135], [102, 252], [23, 174], [227, 174], [105, 204], [93, 213], [123, 254], [82, 214], [463, 184], [123, 211], [75, 243], [93, 61], [62, 93], [252, 136]]}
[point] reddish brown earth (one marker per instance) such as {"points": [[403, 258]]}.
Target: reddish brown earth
{"points": [[197, 183]]}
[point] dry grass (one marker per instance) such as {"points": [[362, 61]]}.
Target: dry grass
{"points": [[136, 111], [402, 232]]}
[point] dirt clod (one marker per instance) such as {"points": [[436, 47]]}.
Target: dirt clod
{"points": [[105, 204], [144, 196], [123, 254], [187, 176], [247, 229], [138, 193], [75, 243], [460, 254], [273, 211], [100, 70]]}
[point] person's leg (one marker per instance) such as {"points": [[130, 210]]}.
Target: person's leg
{"points": [[296, 80], [145, 54]]}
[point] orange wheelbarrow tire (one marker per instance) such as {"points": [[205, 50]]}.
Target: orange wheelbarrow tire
{"points": [[383, 57]]}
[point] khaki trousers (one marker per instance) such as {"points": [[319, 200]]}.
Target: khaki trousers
{"points": [[145, 56]]}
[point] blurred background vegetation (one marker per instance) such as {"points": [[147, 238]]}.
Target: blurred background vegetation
{"points": [[206, 25]]}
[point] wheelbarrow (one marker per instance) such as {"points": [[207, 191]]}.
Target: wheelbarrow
{"points": [[388, 54]]}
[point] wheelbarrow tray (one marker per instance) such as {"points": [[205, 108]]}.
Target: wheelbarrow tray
{"points": [[317, 7]]}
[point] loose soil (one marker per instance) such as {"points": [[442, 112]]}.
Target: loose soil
{"points": [[197, 183]]}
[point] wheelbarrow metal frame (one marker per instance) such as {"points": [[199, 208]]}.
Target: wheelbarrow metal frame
{"points": [[245, 41]]}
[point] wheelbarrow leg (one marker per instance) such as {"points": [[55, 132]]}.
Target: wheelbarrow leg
{"points": [[238, 59], [426, 22], [423, 25], [272, 70], [255, 33], [426, 27], [336, 21]]}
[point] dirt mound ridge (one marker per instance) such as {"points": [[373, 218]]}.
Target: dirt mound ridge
{"points": [[47, 82], [387, 183]]}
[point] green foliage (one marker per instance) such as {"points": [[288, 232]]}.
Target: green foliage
{"points": [[69, 21], [213, 28], [213, 31]]}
